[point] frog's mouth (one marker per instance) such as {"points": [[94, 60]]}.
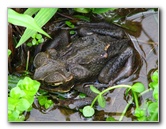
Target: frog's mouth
{"points": [[62, 83], [60, 88]]}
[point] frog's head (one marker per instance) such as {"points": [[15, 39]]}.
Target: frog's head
{"points": [[52, 73]]}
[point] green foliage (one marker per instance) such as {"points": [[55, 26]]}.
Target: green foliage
{"points": [[94, 89], [31, 11], [82, 10], [21, 98], [81, 17], [88, 111], [140, 114], [110, 118], [93, 10], [33, 25], [151, 107], [36, 39], [82, 95], [9, 52], [102, 10], [101, 101], [69, 24], [44, 101], [138, 87], [12, 81], [149, 111], [25, 21]]}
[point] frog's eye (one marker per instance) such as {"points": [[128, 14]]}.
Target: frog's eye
{"points": [[40, 59], [105, 55]]}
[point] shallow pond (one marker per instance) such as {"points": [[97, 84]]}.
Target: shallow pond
{"points": [[146, 42]]}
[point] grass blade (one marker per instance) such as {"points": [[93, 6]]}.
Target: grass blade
{"points": [[41, 18], [31, 11]]}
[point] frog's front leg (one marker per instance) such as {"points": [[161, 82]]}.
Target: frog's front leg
{"points": [[119, 67], [79, 72]]}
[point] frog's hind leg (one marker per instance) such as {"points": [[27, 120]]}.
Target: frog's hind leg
{"points": [[118, 68]]}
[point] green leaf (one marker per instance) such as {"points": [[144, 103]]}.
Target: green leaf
{"points": [[155, 93], [48, 104], [12, 81], [82, 10], [9, 52], [102, 10], [138, 87], [81, 17], [38, 36], [31, 11], [94, 89], [88, 111], [41, 18], [29, 86], [110, 118], [101, 101], [24, 20], [152, 108], [12, 103], [82, 95], [34, 42], [16, 92], [155, 76], [139, 112], [153, 84], [23, 105], [13, 116], [42, 100], [69, 24]]}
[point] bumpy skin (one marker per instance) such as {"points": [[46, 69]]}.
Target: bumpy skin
{"points": [[86, 58]]}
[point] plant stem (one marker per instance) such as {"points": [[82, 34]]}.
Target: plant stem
{"points": [[93, 102], [108, 89], [136, 99], [27, 63], [114, 87], [131, 100], [124, 111], [144, 92]]}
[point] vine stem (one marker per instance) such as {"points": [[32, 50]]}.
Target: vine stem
{"points": [[108, 89], [131, 100], [125, 110]]}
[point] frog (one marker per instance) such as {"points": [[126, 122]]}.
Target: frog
{"points": [[101, 52]]}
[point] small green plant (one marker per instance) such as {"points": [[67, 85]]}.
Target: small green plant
{"points": [[101, 100], [44, 101], [137, 90], [149, 110], [32, 25], [21, 98], [36, 39], [68, 23]]}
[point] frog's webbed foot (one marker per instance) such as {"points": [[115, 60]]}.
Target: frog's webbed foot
{"points": [[71, 100], [75, 103]]}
